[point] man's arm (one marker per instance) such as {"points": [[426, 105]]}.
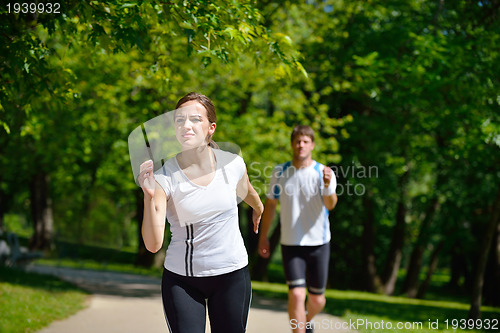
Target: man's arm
{"points": [[330, 201], [267, 220], [329, 197]]}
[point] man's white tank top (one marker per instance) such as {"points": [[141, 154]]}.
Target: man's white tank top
{"points": [[303, 215]]}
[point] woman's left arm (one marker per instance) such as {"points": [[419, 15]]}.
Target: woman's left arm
{"points": [[246, 191]]}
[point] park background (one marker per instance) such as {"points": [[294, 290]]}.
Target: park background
{"points": [[403, 96]]}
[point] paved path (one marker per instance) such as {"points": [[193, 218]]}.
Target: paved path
{"points": [[128, 303]]}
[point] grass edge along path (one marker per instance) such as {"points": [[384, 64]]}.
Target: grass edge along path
{"points": [[30, 301], [94, 265], [370, 313]]}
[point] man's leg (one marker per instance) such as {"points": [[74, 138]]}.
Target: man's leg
{"points": [[317, 275], [296, 309], [315, 304], [294, 266]]}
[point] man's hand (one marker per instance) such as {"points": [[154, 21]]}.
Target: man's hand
{"points": [[327, 176], [264, 251]]}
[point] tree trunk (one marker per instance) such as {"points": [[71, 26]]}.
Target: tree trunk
{"points": [[41, 212], [259, 269], [477, 290], [372, 281], [410, 284], [393, 261], [432, 268], [144, 258], [86, 200], [244, 103], [3, 209], [492, 277], [458, 267]]}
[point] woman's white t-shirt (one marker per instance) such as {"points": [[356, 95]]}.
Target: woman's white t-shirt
{"points": [[206, 239]]}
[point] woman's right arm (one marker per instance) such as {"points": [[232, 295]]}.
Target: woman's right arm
{"points": [[155, 209]]}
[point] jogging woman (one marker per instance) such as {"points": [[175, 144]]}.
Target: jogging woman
{"points": [[206, 261]]}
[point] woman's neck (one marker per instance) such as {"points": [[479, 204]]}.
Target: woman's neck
{"points": [[200, 156]]}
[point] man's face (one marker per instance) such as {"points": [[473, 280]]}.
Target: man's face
{"points": [[302, 147]]}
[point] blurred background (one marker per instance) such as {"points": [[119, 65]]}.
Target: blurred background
{"points": [[404, 97]]}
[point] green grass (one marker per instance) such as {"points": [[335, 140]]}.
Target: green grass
{"points": [[101, 266], [29, 302], [353, 306]]}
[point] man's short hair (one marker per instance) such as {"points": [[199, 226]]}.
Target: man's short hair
{"points": [[302, 130]]}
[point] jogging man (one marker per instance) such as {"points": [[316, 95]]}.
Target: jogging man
{"points": [[306, 192]]}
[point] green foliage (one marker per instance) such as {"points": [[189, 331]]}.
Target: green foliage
{"points": [[418, 81], [403, 96], [75, 85]]}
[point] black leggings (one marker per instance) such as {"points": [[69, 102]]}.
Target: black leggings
{"points": [[227, 297]]}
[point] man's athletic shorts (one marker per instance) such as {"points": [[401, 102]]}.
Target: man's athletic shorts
{"points": [[306, 266]]}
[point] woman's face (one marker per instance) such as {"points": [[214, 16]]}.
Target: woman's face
{"points": [[192, 127]]}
